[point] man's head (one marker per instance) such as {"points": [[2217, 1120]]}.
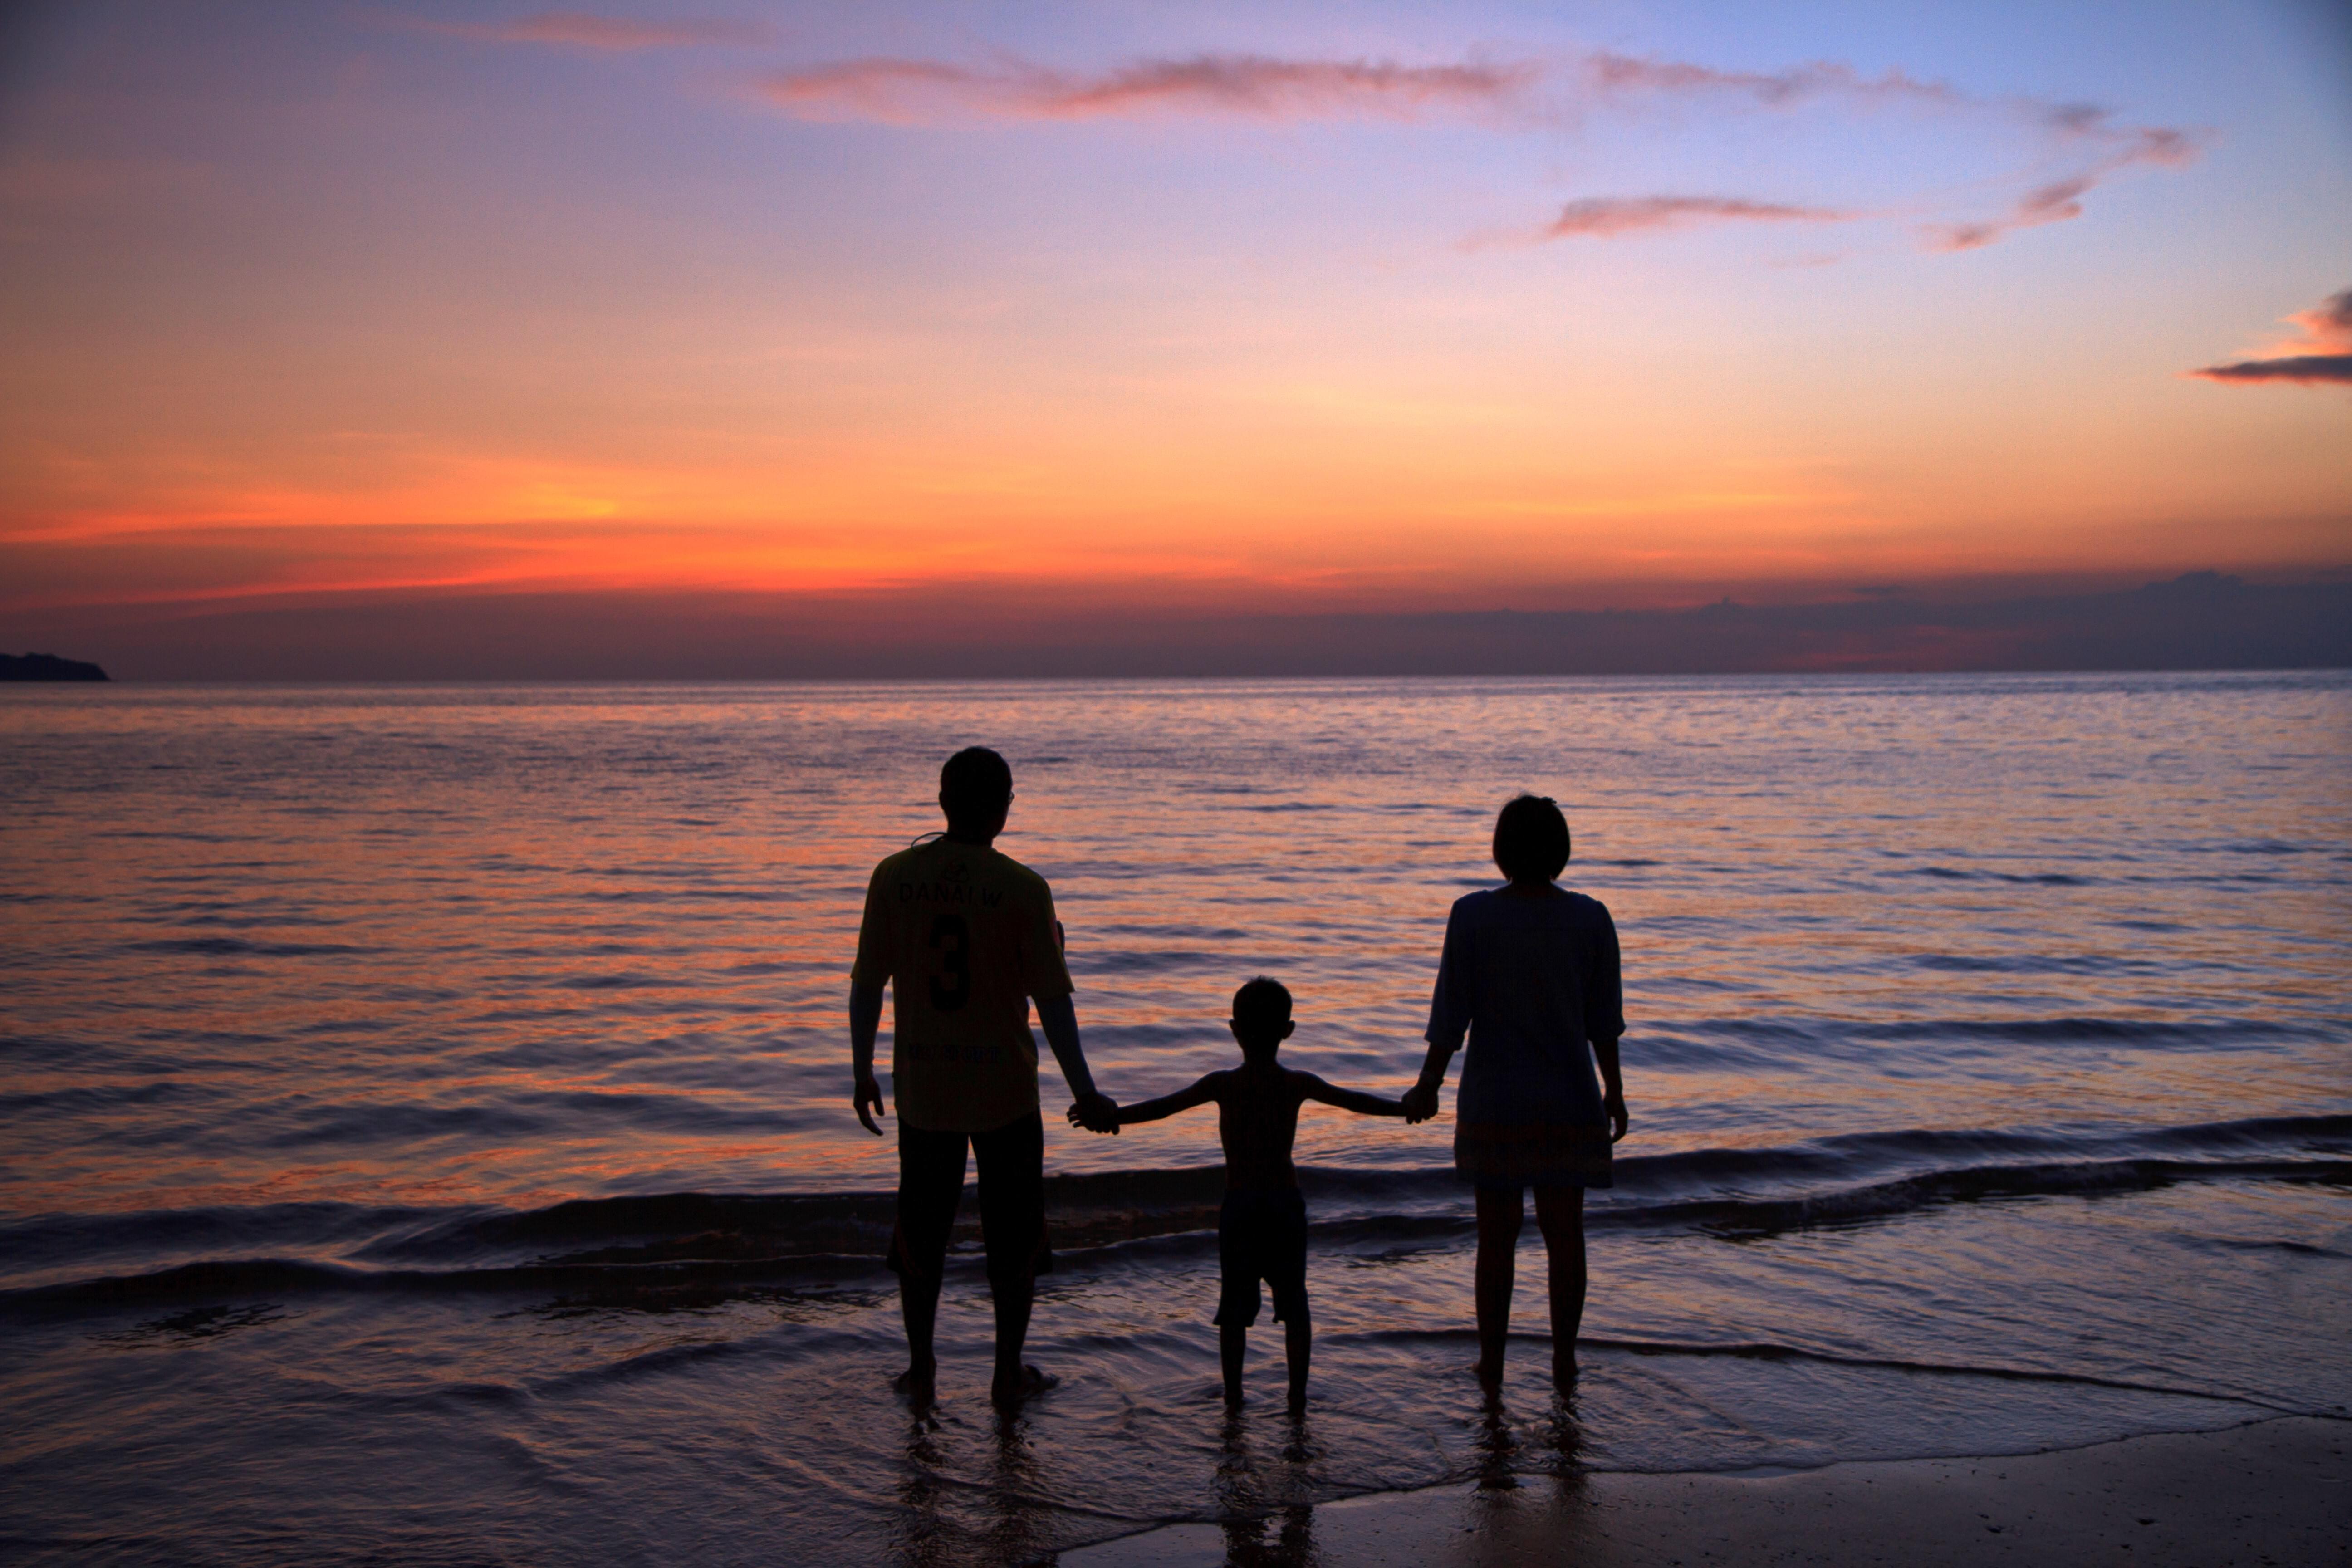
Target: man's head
{"points": [[975, 791], [1531, 839], [1261, 1020]]}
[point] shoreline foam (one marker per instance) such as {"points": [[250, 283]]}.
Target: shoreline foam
{"points": [[2276, 1493]]}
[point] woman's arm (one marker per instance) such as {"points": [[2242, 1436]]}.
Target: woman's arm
{"points": [[1420, 1101], [1449, 1020], [1604, 1054]]}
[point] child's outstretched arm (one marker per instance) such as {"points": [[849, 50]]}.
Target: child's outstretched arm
{"points": [[1199, 1093], [1354, 1100]]}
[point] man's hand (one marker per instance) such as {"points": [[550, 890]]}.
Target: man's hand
{"points": [[1618, 1120], [1419, 1102], [868, 1093], [1095, 1114]]}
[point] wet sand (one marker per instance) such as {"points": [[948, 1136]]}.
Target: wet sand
{"points": [[2277, 1492]]}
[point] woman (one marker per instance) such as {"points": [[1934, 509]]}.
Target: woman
{"points": [[1531, 972]]}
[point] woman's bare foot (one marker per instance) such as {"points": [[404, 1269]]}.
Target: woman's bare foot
{"points": [[1027, 1384], [1490, 1372]]}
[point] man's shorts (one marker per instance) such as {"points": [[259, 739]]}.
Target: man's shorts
{"points": [[1012, 1160], [1262, 1235]]}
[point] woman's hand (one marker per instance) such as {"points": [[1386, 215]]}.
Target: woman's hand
{"points": [[866, 1097], [1618, 1119], [1419, 1102]]}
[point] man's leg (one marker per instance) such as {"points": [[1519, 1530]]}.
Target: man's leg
{"points": [[930, 1185], [1501, 1212], [1012, 1161], [1560, 1212]]}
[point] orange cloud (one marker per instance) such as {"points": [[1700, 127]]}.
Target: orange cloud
{"points": [[612, 34], [2326, 326]]}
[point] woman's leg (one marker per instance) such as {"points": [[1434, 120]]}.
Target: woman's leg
{"points": [[1501, 1211], [1559, 1213]]}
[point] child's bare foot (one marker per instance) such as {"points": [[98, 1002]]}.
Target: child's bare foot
{"points": [[1008, 1391], [1297, 1398], [1232, 1395], [920, 1381]]}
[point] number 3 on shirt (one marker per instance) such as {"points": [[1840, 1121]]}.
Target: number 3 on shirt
{"points": [[952, 989]]}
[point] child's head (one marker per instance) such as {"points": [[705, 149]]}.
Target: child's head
{"points": [[1261, 1020], [1531, 839]]}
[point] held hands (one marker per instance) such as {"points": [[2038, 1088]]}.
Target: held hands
{"points": [[1419, 1103], [868, 1093], [1095, 1114]]}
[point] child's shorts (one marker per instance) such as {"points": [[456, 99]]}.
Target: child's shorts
{"points": [[1262, 1235]]}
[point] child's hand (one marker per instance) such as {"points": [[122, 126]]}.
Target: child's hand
{"points": [[1095, 1114]]}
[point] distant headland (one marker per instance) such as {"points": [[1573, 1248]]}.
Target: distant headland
{"points": [[47, 667]]}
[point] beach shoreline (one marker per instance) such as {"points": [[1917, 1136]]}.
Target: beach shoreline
{"points": [[2276, 1491]]}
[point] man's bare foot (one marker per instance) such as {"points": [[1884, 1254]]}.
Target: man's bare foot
{"points": [[1027, 1384]]}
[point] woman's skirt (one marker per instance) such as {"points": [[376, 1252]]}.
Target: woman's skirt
{"points": [[1523, 1155]]}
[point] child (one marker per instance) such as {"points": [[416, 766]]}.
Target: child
{"points": [[1261, 1228]]}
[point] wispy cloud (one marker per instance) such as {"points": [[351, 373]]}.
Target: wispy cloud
{"points": [[1606, 217], [2081, 145], [913, 92], [2326, 329], [611, 35], [1604, 72], [2059, 200]]}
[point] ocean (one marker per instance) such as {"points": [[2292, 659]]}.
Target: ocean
{"points": [[424, 1130]]}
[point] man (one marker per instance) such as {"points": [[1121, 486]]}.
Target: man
{"points": [[965, 937]]}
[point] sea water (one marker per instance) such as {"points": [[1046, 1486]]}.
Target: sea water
{"points": [[425, 1126]]}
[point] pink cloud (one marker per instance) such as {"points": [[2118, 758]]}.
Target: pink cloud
{"points": [[907, 92], [1613, 73], [2326, 327], [2059, 200], [2083, 144], [1606, 217]]}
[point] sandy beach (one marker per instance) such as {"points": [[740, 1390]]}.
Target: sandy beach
{"points": [[2274, 1492]]}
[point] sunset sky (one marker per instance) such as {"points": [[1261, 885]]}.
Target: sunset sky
{"points": [[1063, 309]]}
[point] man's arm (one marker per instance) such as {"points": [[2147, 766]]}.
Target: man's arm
{"points": [[1095, 1111], [1354, 1100], [864, 1023], [1604, 1053], [1199, 1093]]}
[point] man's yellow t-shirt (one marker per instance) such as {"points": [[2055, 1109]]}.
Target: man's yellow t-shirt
{"points": [[964, 936]]}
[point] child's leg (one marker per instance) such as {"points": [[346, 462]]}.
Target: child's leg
{"points": [[1560, 1211], [1297, 1343], [1232, 1339], [1501, 1212]]}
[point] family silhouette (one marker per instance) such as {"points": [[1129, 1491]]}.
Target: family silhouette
{"points": [[964, 940]]}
